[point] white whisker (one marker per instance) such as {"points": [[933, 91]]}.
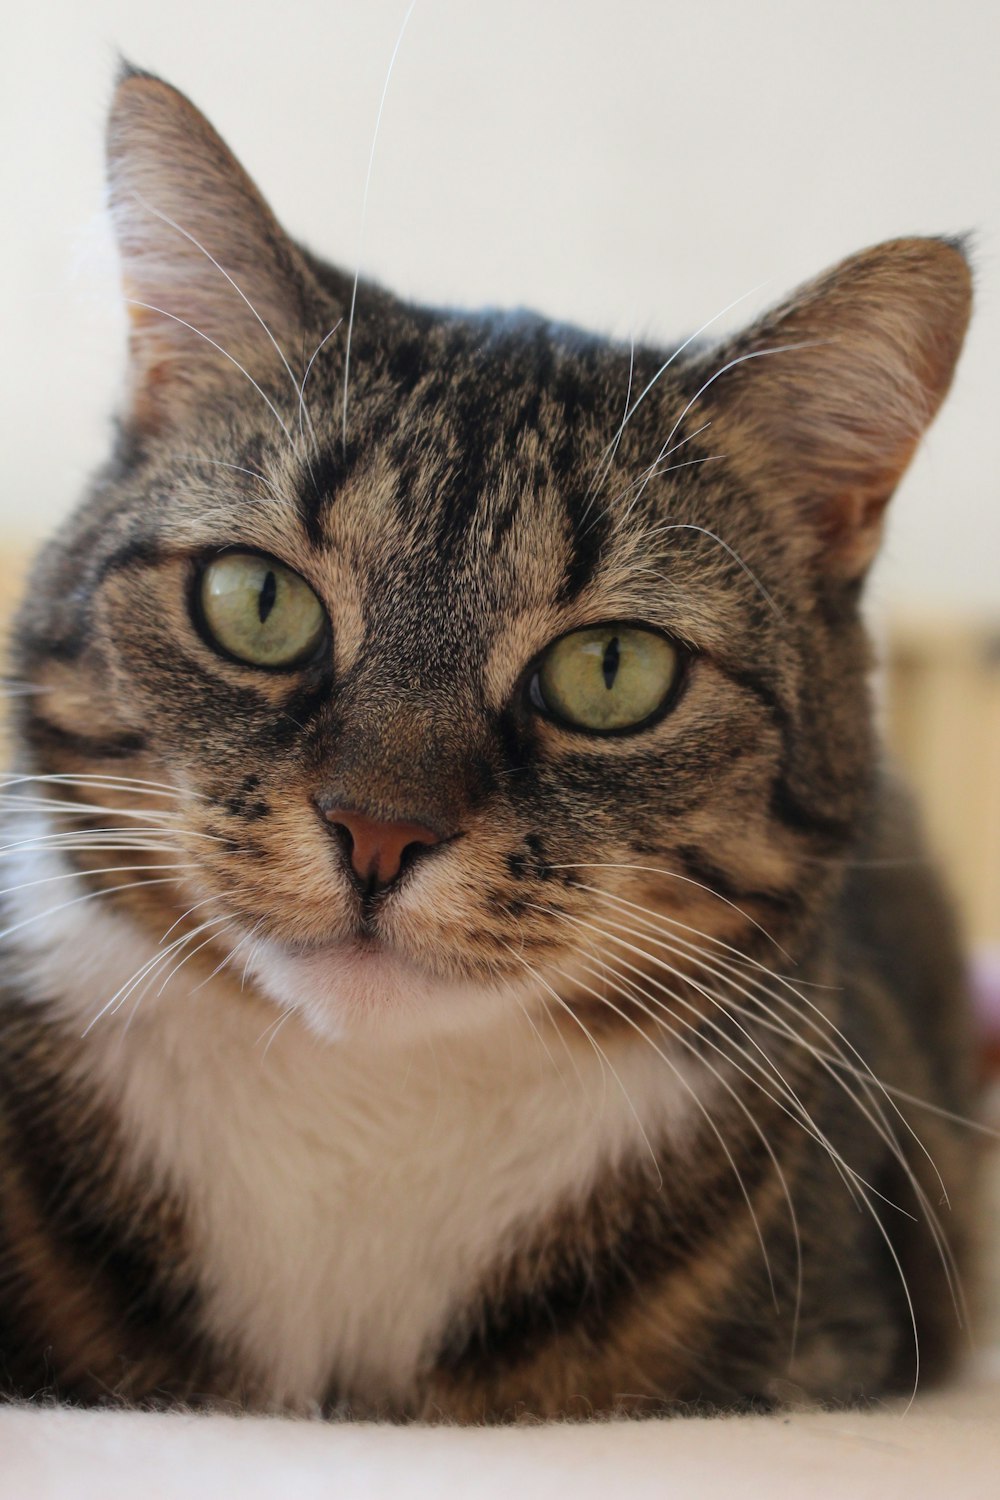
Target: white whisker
{"points": [[364, 211], [674, 875], [602, 1057], [675, 354], [162, 312], [165, 218]]}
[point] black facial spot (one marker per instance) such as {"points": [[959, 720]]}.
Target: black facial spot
{"points": [[535, 847], [242, 803]]}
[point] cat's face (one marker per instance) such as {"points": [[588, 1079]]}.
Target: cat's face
{"points": [[345, 637]]}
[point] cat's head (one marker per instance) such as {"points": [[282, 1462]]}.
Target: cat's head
{"points": [[461, 641]]}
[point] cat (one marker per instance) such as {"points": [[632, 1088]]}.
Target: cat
{"points": [[464, 956]]}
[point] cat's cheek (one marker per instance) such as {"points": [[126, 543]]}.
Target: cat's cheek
{"points": [[342, 990]]}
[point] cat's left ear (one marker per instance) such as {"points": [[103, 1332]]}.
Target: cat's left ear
{"points": [[823, 402], [212, 281]]}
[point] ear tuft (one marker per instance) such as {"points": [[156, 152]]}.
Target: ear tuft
{"points": [[862, 360]]}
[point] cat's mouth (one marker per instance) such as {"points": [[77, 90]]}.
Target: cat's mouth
{"points": [[364, 946], [363, 980]]}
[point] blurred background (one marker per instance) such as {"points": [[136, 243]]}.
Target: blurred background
{"points": [[634, 167]]}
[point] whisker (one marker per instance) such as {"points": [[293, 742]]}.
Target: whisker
{"points": [[814, 1009], [878, 1120], [228, 958], [319, 347], [637, 997], [601, 1056], [722, 370], [10, 687], [112, 890], [664, 367], [165, 218], [151, 977], [19, 802], [865, 1195], [731, 551], [542, 1042], [181, 962], [699, 1103], [139, 785], [689, 463], [218, 463], [274, 1027], [146, 969], [162, 312], [26, 885], [800, 1113], [364, 210], [673, 875]]}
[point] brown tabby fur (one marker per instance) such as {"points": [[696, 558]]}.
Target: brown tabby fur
{"points": [[488, 499]]}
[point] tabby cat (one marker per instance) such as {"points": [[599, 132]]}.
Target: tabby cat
{"points": [[463, 956]]}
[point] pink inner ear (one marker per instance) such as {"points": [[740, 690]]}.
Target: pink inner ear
{"points": [[851, 527]]}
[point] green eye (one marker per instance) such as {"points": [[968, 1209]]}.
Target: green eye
{"points": [[259, 611], [606, 678]]}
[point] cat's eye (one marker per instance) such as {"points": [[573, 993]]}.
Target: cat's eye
{"points": [[607, 678], [254, 608]]}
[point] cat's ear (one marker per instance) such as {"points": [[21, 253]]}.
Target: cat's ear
{"points": [[824, 400], [211, 280]]}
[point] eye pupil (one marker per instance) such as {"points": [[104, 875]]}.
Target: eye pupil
{"points": [[258, 611], [606, 678], [267, 596], [609, 663]]}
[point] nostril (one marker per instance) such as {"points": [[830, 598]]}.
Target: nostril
{"points": [[344, 838], [377, 850]]}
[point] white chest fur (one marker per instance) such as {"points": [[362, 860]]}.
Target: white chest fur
{"points": [[343, 1199]]}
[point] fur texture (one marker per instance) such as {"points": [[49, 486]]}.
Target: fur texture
{"points": [[543, 1124]]}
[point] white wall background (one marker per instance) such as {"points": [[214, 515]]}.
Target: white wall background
{"points": [[632, 165]]}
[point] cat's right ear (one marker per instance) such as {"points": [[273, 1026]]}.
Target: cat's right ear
{"points": [[211, 281]]}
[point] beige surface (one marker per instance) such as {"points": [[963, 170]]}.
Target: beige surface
{"points": [[949, 1446], [943, 720]]}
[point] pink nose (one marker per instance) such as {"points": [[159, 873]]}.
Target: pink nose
{"points": [[376, 848]]}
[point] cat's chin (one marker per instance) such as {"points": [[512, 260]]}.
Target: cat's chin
{"points": [[349, 988]]}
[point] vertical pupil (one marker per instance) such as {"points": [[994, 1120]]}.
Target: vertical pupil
{"points": [[266, 597], [609, 663]]}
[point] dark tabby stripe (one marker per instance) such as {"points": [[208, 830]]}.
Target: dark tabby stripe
{"points": [[42, 733], [95, 1260]]}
